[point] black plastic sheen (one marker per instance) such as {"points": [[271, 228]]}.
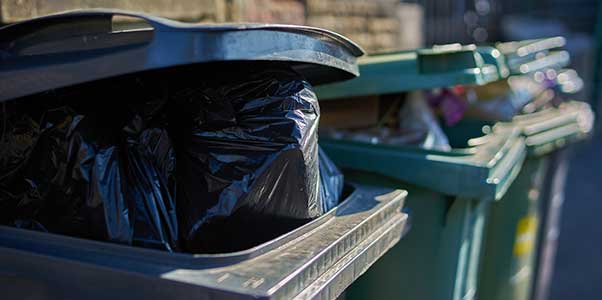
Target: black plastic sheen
{"points": [[214, 163], [247, 149], [80, 177]]}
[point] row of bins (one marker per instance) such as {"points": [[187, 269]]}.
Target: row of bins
{"points": [[485, 211], [461, 210]]}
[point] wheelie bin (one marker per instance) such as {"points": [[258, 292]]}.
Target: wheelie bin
{"points": [[317, 260], [449, 191], [522, 227], [546, 133], [515, 229], [557, 156]]}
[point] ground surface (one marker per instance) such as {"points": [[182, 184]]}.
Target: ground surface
{"points": [[578, 268]]}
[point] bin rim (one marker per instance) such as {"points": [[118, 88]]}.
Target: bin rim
{"points": [[493, 56], [483, 171], [553, 128], [407, 70], [530, 46], [321, 259], [190, 260]]}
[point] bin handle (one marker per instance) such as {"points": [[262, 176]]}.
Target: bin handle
{"points": [[81, 18], [72, 24]]}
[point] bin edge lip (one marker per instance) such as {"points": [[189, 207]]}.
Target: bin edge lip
{"points": [[194, 260]]}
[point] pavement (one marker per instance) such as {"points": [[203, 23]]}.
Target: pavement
{"points": [[578, 266]]}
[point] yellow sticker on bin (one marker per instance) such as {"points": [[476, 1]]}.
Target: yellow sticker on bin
{"points": [[526, 230]]}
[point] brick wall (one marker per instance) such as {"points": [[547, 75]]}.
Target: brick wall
{"points": [[185, 10], [372, 24], [377, 25], [267, 11]]}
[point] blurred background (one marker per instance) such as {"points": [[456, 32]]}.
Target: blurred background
{"points": [[388, 25]]}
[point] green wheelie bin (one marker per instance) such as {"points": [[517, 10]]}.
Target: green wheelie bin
{"points": [[516, 232], [518, 225], [449, 191], [518, 245]]}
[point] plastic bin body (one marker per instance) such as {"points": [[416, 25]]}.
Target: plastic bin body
{"points": [[436, 259], [550, 209], [450, 193], [522, 231], [520, 241], [316, 261], [511, 237]]}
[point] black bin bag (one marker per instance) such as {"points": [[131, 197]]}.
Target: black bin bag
{"points": [[247, 151], [331, 182], [207, 159], [95, 176]]}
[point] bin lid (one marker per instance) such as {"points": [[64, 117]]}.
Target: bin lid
{"points": [[484, 170], [568, 81], [440, 66], [530, 47], [494, 57], [554, 127], [529, 56], [551, 60], [82, 46]]}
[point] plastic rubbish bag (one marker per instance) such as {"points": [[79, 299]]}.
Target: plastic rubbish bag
{"points": [[331, 182], [498, 101], [84, 178], [416, 116], [17, 140], [59, 189], [416, 125], [451, 103], [251, 146], [248, 165], [151, 183]]}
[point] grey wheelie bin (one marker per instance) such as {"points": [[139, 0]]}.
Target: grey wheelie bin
{"points": [[317, 259], [520, 242]]}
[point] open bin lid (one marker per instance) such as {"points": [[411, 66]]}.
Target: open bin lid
{"points": [[552, 60], [81, 46], [527, 48], [528, 56], [568, 81], [440, 66], [512, 64], [554, 127], [494, 57]]}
